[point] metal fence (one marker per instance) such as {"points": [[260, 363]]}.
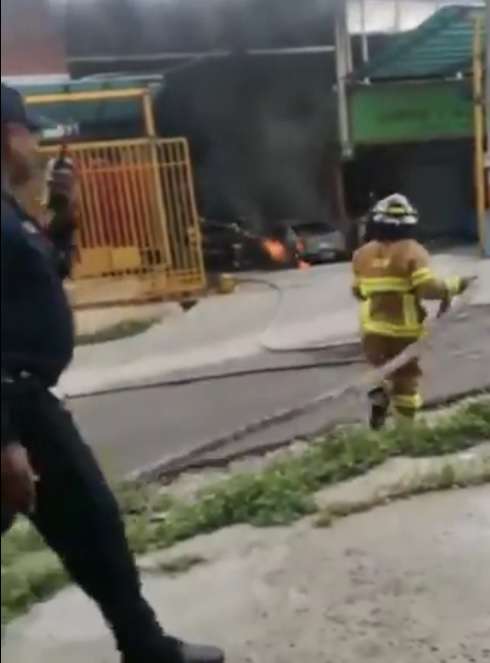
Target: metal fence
{"points": [[138, 217]]}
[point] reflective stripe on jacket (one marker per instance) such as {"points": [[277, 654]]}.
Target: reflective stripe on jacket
{"points": [[391, 279]]}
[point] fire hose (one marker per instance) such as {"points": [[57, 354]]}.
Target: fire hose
{"points": [[376, 376], [353, 359], [371, 377], [360, 386], [353, 346]]}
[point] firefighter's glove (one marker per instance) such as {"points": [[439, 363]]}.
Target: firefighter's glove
{"points": [[356, 291], [458, 285], [466, 282], [444, 306]]}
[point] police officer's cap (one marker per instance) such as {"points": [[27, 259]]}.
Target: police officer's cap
{"points": [[14, 111]]}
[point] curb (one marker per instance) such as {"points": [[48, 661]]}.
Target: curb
{"points": [[172, 467], [396, 479], [403, 477]]}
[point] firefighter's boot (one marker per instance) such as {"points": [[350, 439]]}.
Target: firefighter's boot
{"points": [[175, 651], [380, 405]]}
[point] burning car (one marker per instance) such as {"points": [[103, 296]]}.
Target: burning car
{"points": [[320, 243], [283, 248], [230, 247]]}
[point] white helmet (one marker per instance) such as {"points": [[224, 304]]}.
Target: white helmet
{"points": [[396, 210]]}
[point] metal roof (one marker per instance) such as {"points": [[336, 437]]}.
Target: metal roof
{"points": [[91, 111], [394, 16], [440, 47]]}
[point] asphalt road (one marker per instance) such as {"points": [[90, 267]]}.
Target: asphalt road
{"points": [[136, 429]]}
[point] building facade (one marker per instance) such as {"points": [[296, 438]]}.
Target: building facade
{"points": [[32, 45]]}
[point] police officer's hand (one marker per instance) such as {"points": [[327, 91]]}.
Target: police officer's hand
{"points": [[18, 480], [63, 185]]}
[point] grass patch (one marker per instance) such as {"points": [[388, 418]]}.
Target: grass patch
{"points": [[278, 495], [124, 329], [21, 540], [33, 578]]}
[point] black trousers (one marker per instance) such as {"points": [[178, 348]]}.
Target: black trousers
{"points": [[79, 519]]}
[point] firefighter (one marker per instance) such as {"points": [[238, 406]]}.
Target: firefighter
{"points": [[392, 277]]}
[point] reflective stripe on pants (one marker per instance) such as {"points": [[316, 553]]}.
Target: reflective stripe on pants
{"points": [[404, 382]]}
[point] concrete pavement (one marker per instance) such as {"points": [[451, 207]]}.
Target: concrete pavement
{"points": [[404, 583]]}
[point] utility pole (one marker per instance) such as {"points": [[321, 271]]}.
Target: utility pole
{"points": [[343, 59], [486, 248], [364, 33], [480, 171], [398, 17]]}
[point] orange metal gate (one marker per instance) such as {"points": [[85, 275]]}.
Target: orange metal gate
{"points": [[138, 220]]}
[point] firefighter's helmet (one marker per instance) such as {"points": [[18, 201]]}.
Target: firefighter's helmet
{"points": [[396, 210]]}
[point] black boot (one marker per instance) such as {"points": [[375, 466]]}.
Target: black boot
{"points": [[175, 651], [188, 653], [380, 405]]}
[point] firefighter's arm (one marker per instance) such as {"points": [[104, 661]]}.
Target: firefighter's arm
{"points": [[427, 285]]}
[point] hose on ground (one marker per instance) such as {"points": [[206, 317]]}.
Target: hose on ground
{"points": [[360, 385], [369, 378], [280, 292], [352, 347]]}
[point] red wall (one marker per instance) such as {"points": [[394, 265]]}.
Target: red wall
{"points": [[31, 45]]}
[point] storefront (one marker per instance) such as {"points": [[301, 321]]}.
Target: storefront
{"points": [[412, 121]]}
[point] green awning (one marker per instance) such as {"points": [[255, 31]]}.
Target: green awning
{"points": [[441, 47]]}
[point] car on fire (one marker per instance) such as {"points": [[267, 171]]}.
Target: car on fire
{"points": [[230, 246], [320, 243]]}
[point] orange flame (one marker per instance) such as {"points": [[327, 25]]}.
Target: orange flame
{"points": [[276, 250]]}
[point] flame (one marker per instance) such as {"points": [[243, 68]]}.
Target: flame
{"points": [[302, 264], [276, 250]]}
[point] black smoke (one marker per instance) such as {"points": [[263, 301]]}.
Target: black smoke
{"points": [[120, 27], [262, 130]]}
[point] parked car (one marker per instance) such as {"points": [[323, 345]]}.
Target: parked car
{"points": [[320, 243], [227, 246]]}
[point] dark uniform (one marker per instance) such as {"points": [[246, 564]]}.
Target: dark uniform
{"points": [[75, 510]]}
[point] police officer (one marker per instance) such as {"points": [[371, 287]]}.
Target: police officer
{"points": [[48, 473]]}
